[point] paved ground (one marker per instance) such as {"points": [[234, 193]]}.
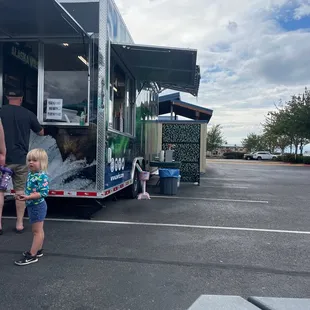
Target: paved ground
{"points": [[244, 231]]}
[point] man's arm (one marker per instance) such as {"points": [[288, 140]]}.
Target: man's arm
{"points": [[35, 125], [2, 145]]}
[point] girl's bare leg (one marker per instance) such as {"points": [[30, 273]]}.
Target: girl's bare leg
{"points": [[38, 238]]}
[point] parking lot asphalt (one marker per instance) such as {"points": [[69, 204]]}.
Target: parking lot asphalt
{"points": [[244, 231]]}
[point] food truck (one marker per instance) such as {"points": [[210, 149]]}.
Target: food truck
{"points": [[91, 88]]}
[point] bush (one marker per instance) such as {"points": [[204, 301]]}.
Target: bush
{"points": [[290, 158], [278, 158], [306, 160], [233, 155]]}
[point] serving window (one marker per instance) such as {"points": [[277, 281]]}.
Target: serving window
{"points": [[122, 99], [65, 84]]}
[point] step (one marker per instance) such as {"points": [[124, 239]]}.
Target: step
{"points": [[272, 303], [222, 302]]}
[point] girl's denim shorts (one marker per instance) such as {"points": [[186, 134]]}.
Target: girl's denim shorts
{"points": [[37, 213]]}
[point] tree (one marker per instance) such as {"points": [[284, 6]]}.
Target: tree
{"points": [[287, 126], [269, 141], [215, 138], [290, 123], [283, 142], [273, 132], [253, 142], [298, 110]]}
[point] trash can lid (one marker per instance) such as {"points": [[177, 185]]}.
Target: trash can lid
{"points": [[169, 173]]}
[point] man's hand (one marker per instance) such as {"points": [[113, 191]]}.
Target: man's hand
{"points": [[2, 159]]}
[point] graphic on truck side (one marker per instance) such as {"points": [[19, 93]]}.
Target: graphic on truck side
{"points": [[119, 169]]}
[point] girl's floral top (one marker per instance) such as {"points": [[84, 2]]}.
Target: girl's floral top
{"points": [[36, 183]]}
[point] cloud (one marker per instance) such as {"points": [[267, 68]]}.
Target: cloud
{"points": [[248, 61], [232, 26], [302, 11]]}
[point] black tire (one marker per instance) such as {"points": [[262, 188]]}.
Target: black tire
{"points": [[259, 158], [248, 158], [134, 189]]}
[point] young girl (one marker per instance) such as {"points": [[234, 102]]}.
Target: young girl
{"points": [[35, 192]]}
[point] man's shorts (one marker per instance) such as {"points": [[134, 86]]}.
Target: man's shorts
{"points": [[19, 177], [37, 213]]}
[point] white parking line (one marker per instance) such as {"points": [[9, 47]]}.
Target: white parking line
{"points": [[146, 224], [263, 170], [224, 179], [225, 186], [211, 199]]}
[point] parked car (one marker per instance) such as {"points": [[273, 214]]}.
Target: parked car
{"points": [[262, 155], [248, 156]]}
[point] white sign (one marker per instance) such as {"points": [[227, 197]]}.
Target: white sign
{"points": [[54, 109]]}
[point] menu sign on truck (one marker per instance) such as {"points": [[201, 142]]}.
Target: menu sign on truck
{"points": [[54, 109]]}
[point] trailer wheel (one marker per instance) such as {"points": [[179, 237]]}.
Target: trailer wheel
{"points": [[134, 189]]}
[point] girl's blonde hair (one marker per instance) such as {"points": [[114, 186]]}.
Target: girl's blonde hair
{"points": [[41, 156]]}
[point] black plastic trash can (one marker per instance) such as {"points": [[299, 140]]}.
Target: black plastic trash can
{"points": [[169, 181]]}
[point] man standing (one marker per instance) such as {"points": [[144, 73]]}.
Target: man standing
{"points": [[17, 123]]}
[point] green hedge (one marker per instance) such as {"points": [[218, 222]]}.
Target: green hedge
{"points": [[290, 158], [306, 160], [278, 158], [233, 155]]}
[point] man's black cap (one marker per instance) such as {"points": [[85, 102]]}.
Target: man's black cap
{"points": [[14, 93]]}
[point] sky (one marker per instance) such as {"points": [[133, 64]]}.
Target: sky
{"points": [[251, 53]]}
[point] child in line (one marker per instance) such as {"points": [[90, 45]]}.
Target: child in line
{"points": [[35, 192]]}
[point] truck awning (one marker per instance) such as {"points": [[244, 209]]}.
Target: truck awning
{"points": [[170, 68], [173, 103], [36, 19]]}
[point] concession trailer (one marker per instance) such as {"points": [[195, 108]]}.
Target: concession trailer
{"points": [[91, 87]]}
